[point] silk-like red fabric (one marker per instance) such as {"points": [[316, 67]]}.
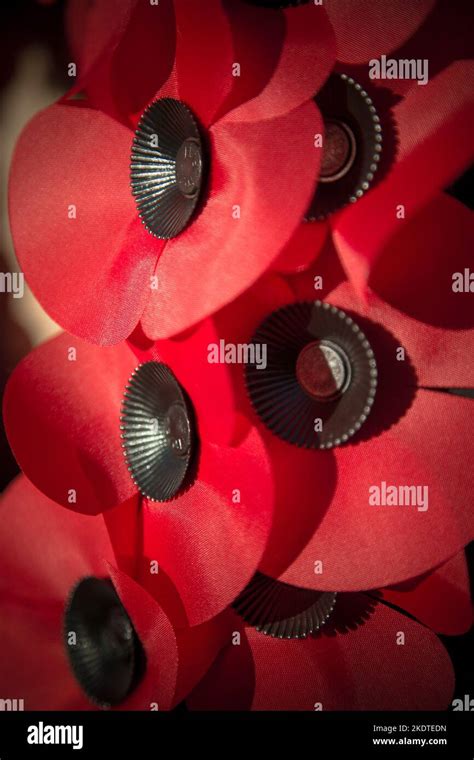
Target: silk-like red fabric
{"points": [[45, 551], [357, 662], [93, 275], [441, 599], [210, 538], [361, 546]]}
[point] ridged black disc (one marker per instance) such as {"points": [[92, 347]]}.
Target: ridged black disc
{"points": [[283, 611], [320, 373], [352, 145], [167, 167], [157, 431], [101, 643]]}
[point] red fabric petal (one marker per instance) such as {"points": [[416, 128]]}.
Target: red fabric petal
{"points": [[158, 687], [304, 482], [438, 355], [204, 56], [444, 37], [91, 273], [209, 386], [434, 123], [115, 49], [209, 544], [439, 240], [45, 550], [237, 322], [374, 28], [441, 600], [362, 668], [303, 248], [284, 57], [220, 256], [94, 29], [198, 648], [63, 422], [364, 546]]}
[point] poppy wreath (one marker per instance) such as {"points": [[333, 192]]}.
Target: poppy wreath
{"points": [[111, 641], [241, 463]]}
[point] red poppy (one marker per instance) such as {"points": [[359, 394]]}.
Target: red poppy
{"points": [[368, 656], [210, 537], [416, 432], [48, 552], [98, 264], [426, 141]]}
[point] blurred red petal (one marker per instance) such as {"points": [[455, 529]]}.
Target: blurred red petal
{"points": [[45, 550], [364, 546], [303, 248], [198, 648], [63, 422], [435, 125], [374, 28], [247, 219], [305, 60], [439, 239], [208, 385], [437, 355], [361, 669], [157, 688], [76, 232], [304, 482], [210, 539], [115, 51], [441, 599], [204, 56]]}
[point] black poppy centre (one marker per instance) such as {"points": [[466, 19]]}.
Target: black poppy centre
{"points": [[319, 384], [104, 651], [351, 145], [167, 167], [158, 433]]}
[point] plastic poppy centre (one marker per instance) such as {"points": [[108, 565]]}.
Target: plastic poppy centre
{"points": [[189, 167], [119, 629], [178, 430], [323, 370], [339, 150]]}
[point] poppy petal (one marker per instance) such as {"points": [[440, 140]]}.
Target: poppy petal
{"points": [[210, 539], [441, 599], [424, 529], [374, 28], [84, 252], [364, 668], [204, 79], [302, 249], [62, 416], [305, 59], [45, 550], [241, 229], [434, 124]]}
